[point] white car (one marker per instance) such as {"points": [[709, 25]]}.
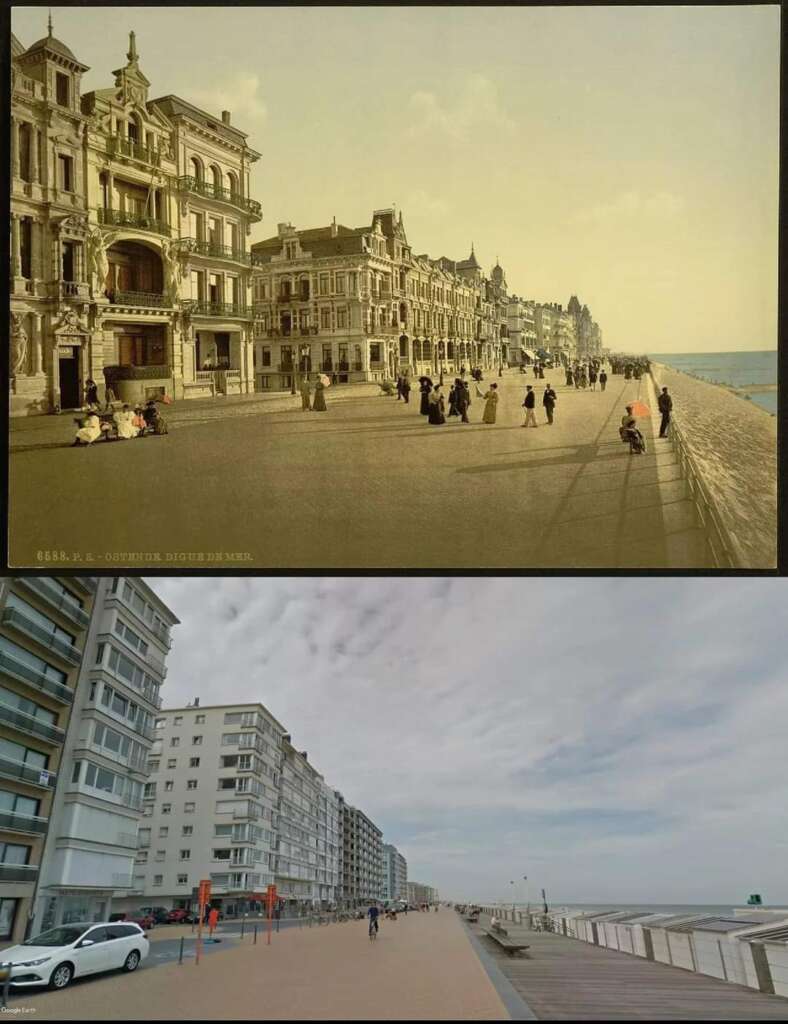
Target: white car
{"points": [[56, 956]]}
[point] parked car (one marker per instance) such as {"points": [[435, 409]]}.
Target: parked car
{"points": [[180, 916], [159, 914], [145, 921], [56, 956]]}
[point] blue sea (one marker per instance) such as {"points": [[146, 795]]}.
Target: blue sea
{"points": [[737, 369], [712, 910]]}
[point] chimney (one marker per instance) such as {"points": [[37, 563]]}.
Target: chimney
{"points": [[334, 231], [196, 702], [226, 117]]}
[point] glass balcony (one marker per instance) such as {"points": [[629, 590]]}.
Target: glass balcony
{"points": [[88, 583], [187, 183], [219, 308], [222, 252], [30, 823], [122, 219], [148, 299], [27, 674], [11, 769], [40, 586], [18, 872], [13, 617], [30, 725]]}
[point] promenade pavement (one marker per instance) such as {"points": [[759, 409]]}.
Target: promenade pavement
{"points": [[565, 979], [369, 484], [421, 967]]}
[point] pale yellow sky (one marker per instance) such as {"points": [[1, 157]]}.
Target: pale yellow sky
{"points": [[626, 154]]}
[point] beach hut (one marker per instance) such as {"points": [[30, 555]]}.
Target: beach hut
{"points": [[717, 950], [661, 929], [680, 942], [630, 932], [764, 957], [608, 932]]}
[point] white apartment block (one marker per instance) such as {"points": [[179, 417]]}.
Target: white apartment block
{"points": [[308, 839], [89, 855], [210, 807], [395, 874]]}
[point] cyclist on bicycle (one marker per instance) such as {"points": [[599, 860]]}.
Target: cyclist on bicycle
{"points": [[373, 914]]}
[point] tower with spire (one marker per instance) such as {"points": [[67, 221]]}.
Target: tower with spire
{"points": [[131, 82]]}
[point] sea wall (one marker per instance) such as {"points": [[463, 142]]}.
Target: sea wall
{"points": [[733, 444]]}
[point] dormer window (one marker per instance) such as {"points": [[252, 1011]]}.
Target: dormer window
{"points": [[62, 89]]}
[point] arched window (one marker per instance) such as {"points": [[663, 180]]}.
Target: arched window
{"points": [[196, 166], [232, 181], [217, 178]]}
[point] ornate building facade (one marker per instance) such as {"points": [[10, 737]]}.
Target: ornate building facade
{"points": [[129, 261]]}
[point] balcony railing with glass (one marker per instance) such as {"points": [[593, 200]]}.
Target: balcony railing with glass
{"points": [[20, 621], [11, 769], [15, 822], [187, 183], [67, 605], [117, 145], [18, 872], [218, 308], [149, 299], [23, 722], [88, 583], [123, 219], [32, 676], [222, 252]]}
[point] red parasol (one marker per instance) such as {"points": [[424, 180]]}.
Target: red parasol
{"points": [[640, 408]]}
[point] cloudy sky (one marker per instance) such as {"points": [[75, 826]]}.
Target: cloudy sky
{"points": [[614, 740], [626, 154]]}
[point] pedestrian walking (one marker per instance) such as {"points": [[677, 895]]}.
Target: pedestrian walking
{"points": [[592, 377], [490, 404], [602, 380], [548, 401], [541, 377], [425, 386], [436, 411], [569, 376], [399, 387], [665, 403], [405, 390], [528, 404], [453, 398], [319, 401], [306, 404], [463, 400]]}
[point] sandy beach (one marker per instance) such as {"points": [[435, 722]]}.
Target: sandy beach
{"points": [[734, 445]]}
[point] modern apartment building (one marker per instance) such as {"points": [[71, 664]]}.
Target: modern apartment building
{"points": [[92, 841], [210, 807], [395, 874], [419, 893], [307, 840], [129, 219], [44, 625], [362, 851]]}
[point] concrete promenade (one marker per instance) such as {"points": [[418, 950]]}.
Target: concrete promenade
{"points": [[369, 484], [565, 979], [421, 967]]}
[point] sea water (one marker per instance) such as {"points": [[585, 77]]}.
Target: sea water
{"points": [[709, 910], [736, 369]]}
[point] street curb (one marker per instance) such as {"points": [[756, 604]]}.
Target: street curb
{"points": [[515, 1005]]}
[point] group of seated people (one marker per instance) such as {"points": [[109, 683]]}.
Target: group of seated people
{"points": [[122, 425]]}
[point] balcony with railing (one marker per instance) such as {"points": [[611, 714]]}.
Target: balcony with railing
{"points": [[187, 183], [88, 583], [11, 666], [215, 249], [30, 725], [41, 587], [32, 824], [19, 621], [292, 297], [18, 872], [124, 219], [22, 772], [149, 300], [200, 307], [117, 145]]}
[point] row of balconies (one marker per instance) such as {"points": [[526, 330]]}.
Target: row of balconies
{"points": [[19, 670], [68, 606], [68, 652], [209, 248], [11, 769], [188, 183]]}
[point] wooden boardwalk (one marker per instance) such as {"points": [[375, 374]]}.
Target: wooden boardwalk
{"points": [[566, 979]]}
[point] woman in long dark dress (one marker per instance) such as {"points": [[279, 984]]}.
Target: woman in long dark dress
{"points": [[425, 388], [436, 407], [453, 399], [319, 401]]}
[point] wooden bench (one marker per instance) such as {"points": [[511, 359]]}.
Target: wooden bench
{"points": [[501, 936]]}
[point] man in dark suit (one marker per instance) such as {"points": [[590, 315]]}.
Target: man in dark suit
{"points": [[665, 403]]}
